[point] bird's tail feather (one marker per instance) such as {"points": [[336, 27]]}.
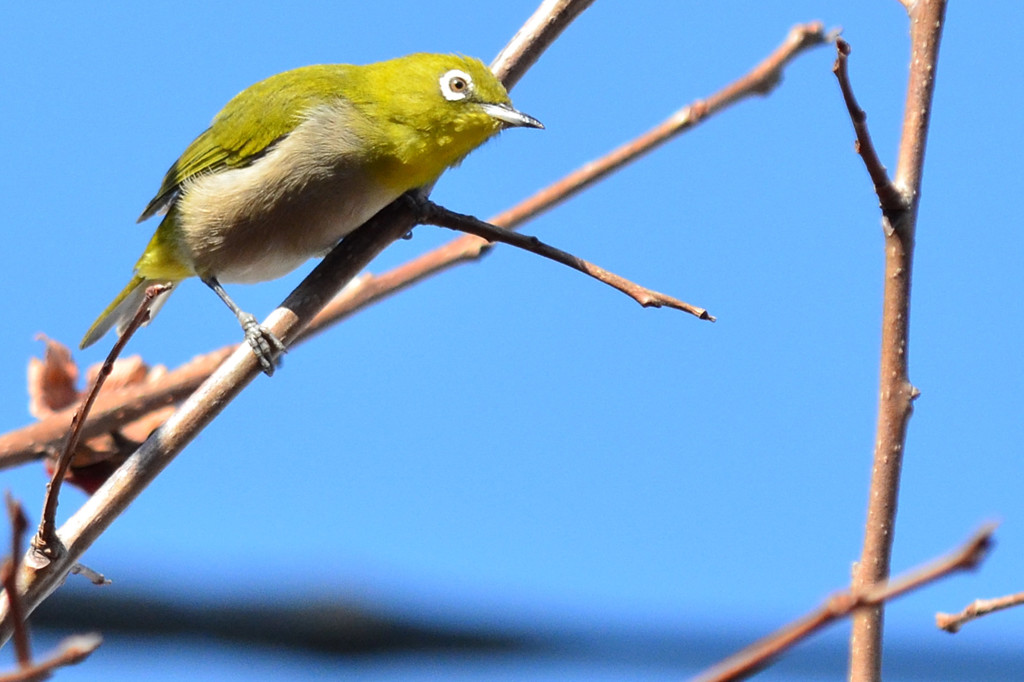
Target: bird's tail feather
{"points": [[123, 308]]}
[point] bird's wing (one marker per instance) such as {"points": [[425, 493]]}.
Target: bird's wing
{"points": [[249, 126]]}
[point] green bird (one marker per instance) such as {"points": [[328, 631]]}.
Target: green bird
{"points": [[297, 161]]}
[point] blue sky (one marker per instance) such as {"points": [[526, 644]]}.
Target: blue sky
{"points": [[511, 442]]}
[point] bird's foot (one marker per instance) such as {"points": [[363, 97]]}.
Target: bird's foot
{"points": [[264, 344]]}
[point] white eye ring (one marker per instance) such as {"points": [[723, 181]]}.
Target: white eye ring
{"points": [[455, 85]]}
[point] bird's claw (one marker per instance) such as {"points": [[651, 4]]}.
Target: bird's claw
{"points": [[264, 344]]}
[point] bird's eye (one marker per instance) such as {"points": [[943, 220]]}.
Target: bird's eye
{"points": [[455, 85]]}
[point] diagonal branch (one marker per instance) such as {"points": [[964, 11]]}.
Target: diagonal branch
{"points": [[888, 196], [432, 214], [748, 661], [536, 35]]}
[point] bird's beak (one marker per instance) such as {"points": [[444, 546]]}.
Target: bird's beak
{"points": [[509, 116]]}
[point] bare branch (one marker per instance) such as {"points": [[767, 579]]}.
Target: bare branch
{"points": [[896, 393], [927, 19], [535, 36], [889, 198], [952, 623], [748, 661], [432, 214]]}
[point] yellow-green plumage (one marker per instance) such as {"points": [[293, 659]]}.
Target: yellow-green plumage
{"points": [[297, 161]]}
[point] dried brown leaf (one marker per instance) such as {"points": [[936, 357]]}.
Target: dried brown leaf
{"points": [[51, 381], [52, 387]]}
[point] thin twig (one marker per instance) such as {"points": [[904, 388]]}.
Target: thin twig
{"points": [[748, 661], [888, 196], [896, 393], [46, 542], [9, 580], [341, 265], [952, 622], [432, 214], [95, 577], [72, 650]]}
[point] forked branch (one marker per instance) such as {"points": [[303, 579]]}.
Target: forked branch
{"points": [[899, 203]]}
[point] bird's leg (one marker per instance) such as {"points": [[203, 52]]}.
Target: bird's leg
{"points": [[265, 346]]}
